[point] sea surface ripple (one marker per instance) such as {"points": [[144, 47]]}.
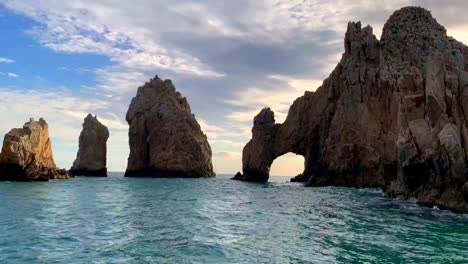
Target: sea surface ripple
{"points": [[135, 220]]}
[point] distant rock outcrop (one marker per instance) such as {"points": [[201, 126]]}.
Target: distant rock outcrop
{"points": [[165, 138], [27, 154], [91, 157], [392, 114]]}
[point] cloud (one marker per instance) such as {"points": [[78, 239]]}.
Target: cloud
{"points": [[6, 60], [228, 154], [12, 75], [211, 131], [9, 74], [229, 58], [235, 144], [91, 27], [243, 115], [254, 99]]}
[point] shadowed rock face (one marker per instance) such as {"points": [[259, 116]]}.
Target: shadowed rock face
{"points": [[27, 154], [392, 114], [165, 138], [91, 157]]}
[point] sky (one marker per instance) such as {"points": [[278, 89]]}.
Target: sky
{"points": [[64, 59]]}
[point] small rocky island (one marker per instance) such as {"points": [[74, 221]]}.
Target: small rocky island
{"points": [[392, 114], [165, 138], [27, 154], [91, 157]]}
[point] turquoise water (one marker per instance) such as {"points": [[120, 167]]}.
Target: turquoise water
{"points": [[130, 220]]}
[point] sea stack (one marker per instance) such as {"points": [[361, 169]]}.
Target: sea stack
{"points": [[392, 114], [27, 154], [91, 157], [165, 138]]}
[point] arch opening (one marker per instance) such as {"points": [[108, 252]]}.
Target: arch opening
{"points": [[286, 167]]}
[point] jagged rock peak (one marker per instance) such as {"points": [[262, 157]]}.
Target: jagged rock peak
{"points": [[360, 41], [91, 157], [392, 114], [160, 90], [412, 35], [165, 138], [266, 118], [27, 154], [412, 19]]}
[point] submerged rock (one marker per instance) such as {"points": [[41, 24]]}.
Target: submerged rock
{"points": [[91, 157], [165, 138], [392, 114], [27, 154]]}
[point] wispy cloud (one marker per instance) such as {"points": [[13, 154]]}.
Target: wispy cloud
{"points": [[254, 99], [9, 74], [6, 60], [232, 143], [228, 154], [12, 75], [90, 27], [77, 70]]}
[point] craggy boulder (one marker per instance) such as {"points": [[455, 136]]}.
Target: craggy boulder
{"points": [[91, 157], [27, 154], [165, 138], [392, 114]]}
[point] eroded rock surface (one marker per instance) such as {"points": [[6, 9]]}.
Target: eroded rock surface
{"points": [[392, 114], [165, 138], [91, 157], [27, 154]]}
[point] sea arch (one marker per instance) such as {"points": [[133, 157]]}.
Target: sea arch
{"points": [[270, 141]]}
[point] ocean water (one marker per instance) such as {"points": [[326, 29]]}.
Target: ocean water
{"points": [[134, 220]]}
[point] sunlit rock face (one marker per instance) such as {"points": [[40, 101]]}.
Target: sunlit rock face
{"points": [[27, 154], [91, 157], [165, 138], [392, 114]]}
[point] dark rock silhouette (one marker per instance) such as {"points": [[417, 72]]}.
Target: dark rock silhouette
{"points": [[27, 154], [392, 114], [165, 138], [91, 157]]}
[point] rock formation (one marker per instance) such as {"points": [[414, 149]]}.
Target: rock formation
{"points": [[392, 114], [91, 157], [27, 154], [165, 138]]}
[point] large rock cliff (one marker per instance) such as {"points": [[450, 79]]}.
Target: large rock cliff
{"points": [[91, 157], [392, 114], [27, 154], [165, 138]]}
